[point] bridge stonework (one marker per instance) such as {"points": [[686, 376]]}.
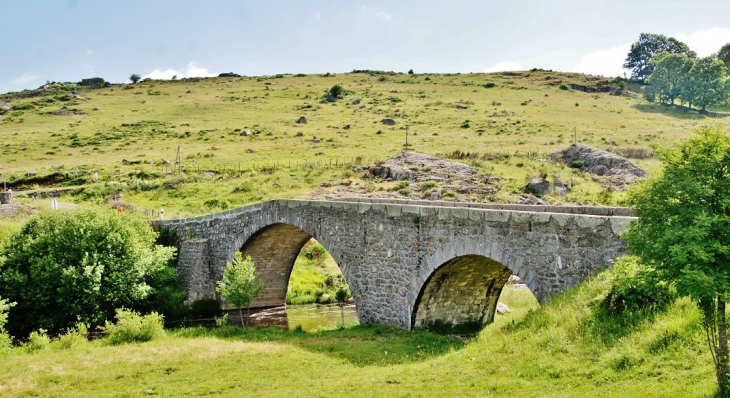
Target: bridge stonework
{"points": [[406, 264]]}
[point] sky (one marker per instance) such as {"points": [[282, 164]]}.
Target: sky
{"points": [[69, 40]]}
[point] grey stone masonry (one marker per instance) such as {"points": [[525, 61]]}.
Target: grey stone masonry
{"points": [[407, 265]]}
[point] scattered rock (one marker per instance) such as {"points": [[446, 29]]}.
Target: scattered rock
{"points": [[436, 195], [514, 279], [125, 161], [302, 120], [600, 162], [609, 142], [561, 188], [356, 102], [300, 134], [208, 174], [6, 107], [502, 308], [189, 92], [389, 122], [246, 132], [459, 106], [527, 199], [379, 132], [539, 186], [249, 150]]}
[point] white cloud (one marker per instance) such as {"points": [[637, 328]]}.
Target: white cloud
{"points": [[607, 62], [24, 78], [383, 16], [192, 70], [504, 66], [705, 42]]}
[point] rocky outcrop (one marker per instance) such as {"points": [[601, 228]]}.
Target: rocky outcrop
{"points": [[416, 166], [599, 162]]}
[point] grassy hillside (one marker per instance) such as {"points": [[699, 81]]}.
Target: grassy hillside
{"points": [[565, 348], [127, 132]]}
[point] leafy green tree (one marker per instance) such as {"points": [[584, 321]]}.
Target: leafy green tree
{"points": [[336, 91], [706, 84], [682, 231], [135, 78], [724, 56], [341, 297], [240, 284], [669, 75], [643, 51], [69, 266]]}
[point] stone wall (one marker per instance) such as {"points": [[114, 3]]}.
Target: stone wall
{"points": [[389, 253]]}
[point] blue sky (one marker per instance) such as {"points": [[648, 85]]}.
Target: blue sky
{"points": [[67, 40]]}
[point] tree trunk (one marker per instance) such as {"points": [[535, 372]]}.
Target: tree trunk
{"points": [[723, 370], [240, 314], [342, 314]]}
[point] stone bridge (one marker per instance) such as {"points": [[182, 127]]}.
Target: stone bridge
{"points": [[407, 263]]}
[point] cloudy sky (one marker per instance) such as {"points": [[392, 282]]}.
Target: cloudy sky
{"points": [[67, 40]]}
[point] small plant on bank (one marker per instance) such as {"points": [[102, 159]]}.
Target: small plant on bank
{"points": [[240, 284], [221, 321], [74, 336], [132, 327], [38, 340], [341, 297], [5, 340]]}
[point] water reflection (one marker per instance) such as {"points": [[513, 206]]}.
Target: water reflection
{"points": [[309, 316]]}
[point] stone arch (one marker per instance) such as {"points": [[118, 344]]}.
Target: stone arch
{"points": [[274, 250], [463, 289]]}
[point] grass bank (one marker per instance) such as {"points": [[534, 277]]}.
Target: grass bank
{"points": [[565, 348]]}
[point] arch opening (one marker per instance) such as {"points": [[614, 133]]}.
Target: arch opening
{"points": [[297, 269], [463, 290]]}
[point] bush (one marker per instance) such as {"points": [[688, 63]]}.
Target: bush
{"points": [[490, 85], [336, 91], [38, 340], [5, 340], [69, 266], [576, 164], [131, 327], [564, 87], [74, 336], [636, 288], [206, 308]]}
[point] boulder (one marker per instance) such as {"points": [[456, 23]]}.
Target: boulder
{"points": [[356, 102], [599, 162], [502, 308], [302, 120], [389, 122], [300, 134], [459, 106], [414, 166], [539, 186], [561, 188]]}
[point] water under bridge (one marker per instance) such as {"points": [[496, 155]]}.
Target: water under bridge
{"points": [[407, 263]]}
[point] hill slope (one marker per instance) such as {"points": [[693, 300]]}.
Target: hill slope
{"points": [[129, 134]]}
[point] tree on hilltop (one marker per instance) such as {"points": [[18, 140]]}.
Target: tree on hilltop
{"points": [[667, 79], [135, 78], [643, 51], [706, 84], [724, 56], [682, 232]]}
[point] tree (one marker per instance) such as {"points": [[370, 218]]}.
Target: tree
{"points": [[724, 56], [66, 264], [135, 78], [410, 71], [682, 231], [706, 84], [341, 297], [240, 284], [5, 339], [669, 75], [336, 91], [649, 45]]}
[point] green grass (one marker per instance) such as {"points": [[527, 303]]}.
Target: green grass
{"points": [[208, 124], [315, 276], [562, 349]]}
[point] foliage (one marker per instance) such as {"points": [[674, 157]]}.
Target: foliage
{"points": [[221, 321], [240, 284], [37, 340], [684, 216], [643, 51], [132, 327], [636, 288], [81, 263], [670, 72], [5, 339], [74, 336], [135, 77], [336, 91], [205, 308], [707, 84], [724, 56]]}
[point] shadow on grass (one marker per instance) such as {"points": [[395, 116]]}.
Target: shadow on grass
{"points": [[676, 111], [362, 345]]}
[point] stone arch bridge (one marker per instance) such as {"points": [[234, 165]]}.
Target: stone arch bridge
{"points": [[407, 263]]}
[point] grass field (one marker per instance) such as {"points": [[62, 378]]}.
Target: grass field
{"points": [[561, 349], [127, 133]]}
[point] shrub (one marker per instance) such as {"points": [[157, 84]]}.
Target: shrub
{"points": [[490, 85], [576, 164], [38, 340], [400, 185], [132, 327], [564, 87], [5, 340], [636, 288], [74, 336], [426, 185], [69, 266], [206, 308], [336, 91]]}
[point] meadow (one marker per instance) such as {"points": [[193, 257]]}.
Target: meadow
{"points": [[565, 348], [240, 140]]}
